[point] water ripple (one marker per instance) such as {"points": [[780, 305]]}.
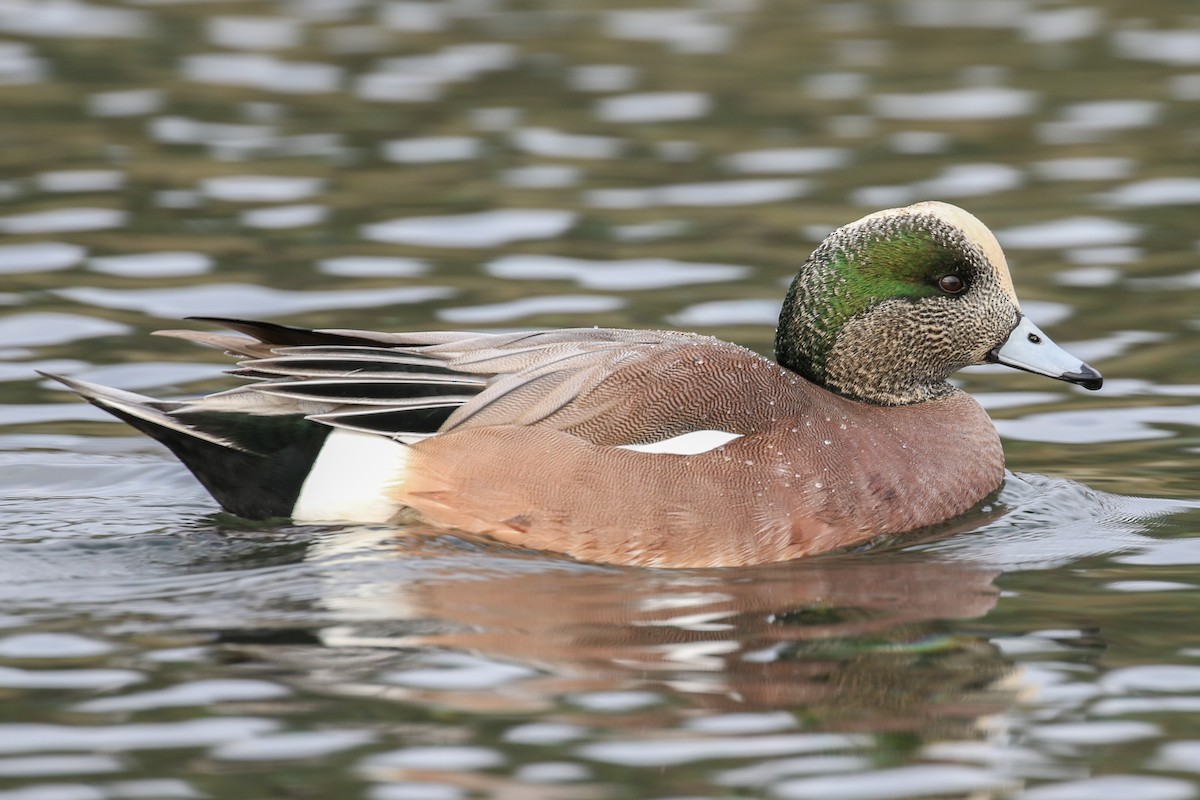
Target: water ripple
{"points": [[973, 103], [21, 737], [557, 144], [51, 327], [236, 299], [166, 264], [631, 274], [70, 20], [261, 188], [64, 220], [264, 72], [653, 107], [39, 257], [721, 193], [1069, 233], [485, 229], [528, 307], [79, 181], [431, 149]]}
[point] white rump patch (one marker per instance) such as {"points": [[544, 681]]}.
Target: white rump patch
{"points": [[352, 480], [687, 444]]}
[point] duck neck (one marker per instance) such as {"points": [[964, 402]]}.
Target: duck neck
{"points": [[802, 341], [824, 336]]}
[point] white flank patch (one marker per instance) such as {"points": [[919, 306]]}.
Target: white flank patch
{"points": [[687, 444], [352, 480]]}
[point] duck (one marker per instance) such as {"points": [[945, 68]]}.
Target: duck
{"points": [[651, 448]]}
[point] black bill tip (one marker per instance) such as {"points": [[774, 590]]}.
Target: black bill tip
{"points": [[1087, 377]]}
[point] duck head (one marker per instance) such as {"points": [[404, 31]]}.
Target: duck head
{"points": [[889, 306]]}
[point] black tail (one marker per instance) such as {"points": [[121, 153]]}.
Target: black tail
{"points": [[252, 464]]}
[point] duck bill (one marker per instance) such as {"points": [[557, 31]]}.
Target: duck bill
{"points": [[1029, 349]]}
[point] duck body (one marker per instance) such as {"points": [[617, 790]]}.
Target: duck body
{"points": [[809, 470], [654, 448]]}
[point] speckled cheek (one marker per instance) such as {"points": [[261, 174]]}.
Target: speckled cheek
{"points": [[995, 322]]}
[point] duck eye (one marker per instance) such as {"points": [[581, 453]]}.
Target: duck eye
{"points": [[951, 284]]}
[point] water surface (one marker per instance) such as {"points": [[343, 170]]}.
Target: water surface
{"points": [[498, 165]]}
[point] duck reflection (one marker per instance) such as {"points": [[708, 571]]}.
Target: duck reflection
{"points": [[854, 640]]}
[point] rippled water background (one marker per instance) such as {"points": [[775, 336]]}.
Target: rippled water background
{"points": [[501, 164]]}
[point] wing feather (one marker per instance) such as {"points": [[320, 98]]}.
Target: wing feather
{"points": [[410, 385]]}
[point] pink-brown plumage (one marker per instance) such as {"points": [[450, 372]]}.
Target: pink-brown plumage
{"points": [[640, 447]]}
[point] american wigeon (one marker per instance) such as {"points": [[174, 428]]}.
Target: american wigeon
{"points": [[656, 448]]}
